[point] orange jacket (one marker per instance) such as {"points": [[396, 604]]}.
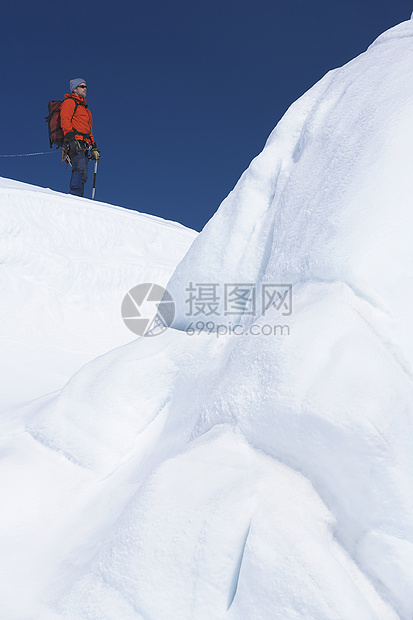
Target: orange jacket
{"points": [[79, 121]]}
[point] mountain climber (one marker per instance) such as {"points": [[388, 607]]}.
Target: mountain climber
{"points": [[76, 123]]}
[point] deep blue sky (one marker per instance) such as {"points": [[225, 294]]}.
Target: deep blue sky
{"points": [[183, 93]]}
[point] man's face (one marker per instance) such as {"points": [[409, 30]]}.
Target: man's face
{"points": [[80, 90]]}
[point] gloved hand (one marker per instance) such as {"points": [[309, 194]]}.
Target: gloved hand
{"points": [[71, 143], [94, 153], [69, 136]]}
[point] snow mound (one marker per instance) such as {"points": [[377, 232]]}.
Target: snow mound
{"points": [[252, 473], [66, 264]]}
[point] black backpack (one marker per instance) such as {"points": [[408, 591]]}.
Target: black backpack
{"points": [[53, 120]]}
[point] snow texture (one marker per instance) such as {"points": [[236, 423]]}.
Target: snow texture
{"points": [[256, 474]]}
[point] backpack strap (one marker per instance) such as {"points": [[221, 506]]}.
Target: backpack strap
{"points": [[76, 105]]}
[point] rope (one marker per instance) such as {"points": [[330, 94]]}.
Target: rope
{"points": [[31, 154]]}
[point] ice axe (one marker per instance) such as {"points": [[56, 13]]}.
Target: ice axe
{"points": [[94, 179]]}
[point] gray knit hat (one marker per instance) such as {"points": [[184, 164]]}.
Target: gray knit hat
{"points": [[75, 83]]}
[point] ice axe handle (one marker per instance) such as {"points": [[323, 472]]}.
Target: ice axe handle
{"points": [[94, 179]]}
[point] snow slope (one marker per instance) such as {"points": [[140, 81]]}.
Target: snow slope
{"points": [[66, 264], [257, 474]]}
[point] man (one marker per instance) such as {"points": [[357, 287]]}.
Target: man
{"points": [[76, 123]]}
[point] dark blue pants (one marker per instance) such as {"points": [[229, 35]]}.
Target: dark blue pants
{"points": [[78, 179]]}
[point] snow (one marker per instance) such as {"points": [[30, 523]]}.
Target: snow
{"points": [[67, 264], [256, 473]]}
